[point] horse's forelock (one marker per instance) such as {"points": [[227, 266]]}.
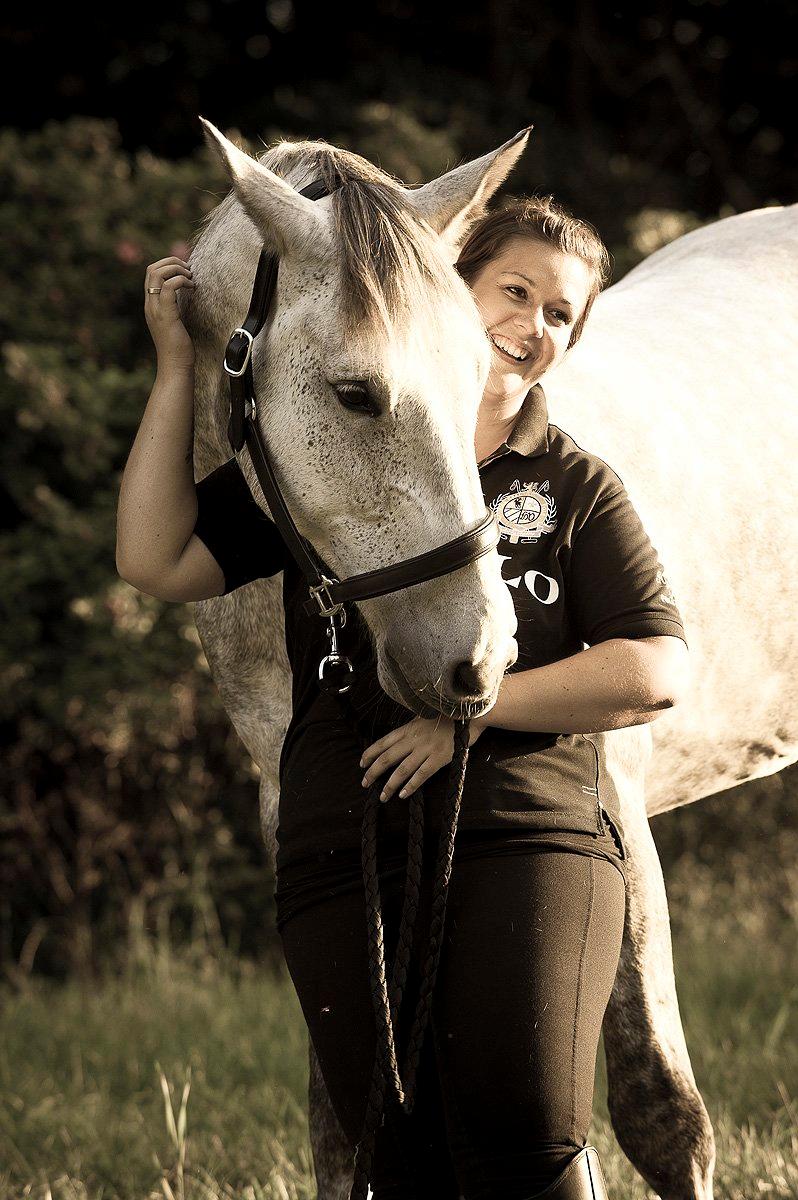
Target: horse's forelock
{"points": [[393, 273]]}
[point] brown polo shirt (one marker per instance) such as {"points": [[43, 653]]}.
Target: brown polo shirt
{"points": [[580, 569]]}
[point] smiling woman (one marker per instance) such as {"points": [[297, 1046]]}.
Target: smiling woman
{"points": [[534, 271], [500, 239], [540, 829]]}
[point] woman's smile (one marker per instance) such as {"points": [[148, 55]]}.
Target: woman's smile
{"points": [[511, 350]]}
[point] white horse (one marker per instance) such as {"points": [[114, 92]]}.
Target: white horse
{"points": [[658, 366]]}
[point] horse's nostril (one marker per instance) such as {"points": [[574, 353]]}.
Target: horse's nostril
{"points": [[471, 679]]}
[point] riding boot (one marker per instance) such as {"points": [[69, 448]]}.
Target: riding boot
{"points": [[582, 1179]]}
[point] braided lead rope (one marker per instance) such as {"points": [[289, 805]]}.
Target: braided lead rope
{"points": [[442, 875], [407, 924], [385, 1012], [387, 1001], [386, 1071], [364, 1153]]}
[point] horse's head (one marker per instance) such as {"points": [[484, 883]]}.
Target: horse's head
{"points": [[368, 380]]}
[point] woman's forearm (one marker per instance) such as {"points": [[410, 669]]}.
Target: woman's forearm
{"points": [[157, 507], [608, 686]]}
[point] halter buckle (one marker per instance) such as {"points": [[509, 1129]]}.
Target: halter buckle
{"points": [[250, 343], [327, 606]]}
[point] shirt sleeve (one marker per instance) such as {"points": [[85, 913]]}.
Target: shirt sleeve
{"points": [[615, 584], [245, 542]]}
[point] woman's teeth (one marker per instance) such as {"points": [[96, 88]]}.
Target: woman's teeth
{"points": [[517, 353]]}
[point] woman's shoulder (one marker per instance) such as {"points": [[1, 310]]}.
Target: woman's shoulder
{"points": [[226, 490], [580, 467], [228, 476]]}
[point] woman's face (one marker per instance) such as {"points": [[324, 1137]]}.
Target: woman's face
{"points": [[529, 297]]}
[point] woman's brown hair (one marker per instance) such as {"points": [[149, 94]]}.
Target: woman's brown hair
{"points": [[539, 217]]}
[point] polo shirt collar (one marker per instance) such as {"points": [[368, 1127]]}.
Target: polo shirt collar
{"points": [[530, 433]]}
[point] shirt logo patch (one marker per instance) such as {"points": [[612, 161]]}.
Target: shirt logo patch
{"points": [[526, 512]]}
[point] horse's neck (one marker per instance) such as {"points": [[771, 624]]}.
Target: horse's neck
{"points": [[211, 410], [668, 351]]}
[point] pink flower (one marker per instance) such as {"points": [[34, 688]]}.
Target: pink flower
{"points": [[128, 251]]}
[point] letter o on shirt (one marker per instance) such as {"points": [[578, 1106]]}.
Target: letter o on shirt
{"points": [[546, 591]]}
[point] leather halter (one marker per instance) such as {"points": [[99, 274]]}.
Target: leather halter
{"points": [[327, 593]]}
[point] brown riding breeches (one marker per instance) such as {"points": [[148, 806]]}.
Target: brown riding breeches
{"points": [[505, 1084]]}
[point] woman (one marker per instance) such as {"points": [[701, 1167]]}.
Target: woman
{"points": [[536, 900]]}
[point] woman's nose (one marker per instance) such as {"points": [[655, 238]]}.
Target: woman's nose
{"points": [[531, 322]]}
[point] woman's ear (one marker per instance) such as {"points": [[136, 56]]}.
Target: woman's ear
{"points": [[451, 203]]}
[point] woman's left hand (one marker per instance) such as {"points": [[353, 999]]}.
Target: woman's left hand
{"points": [[416, 750]]}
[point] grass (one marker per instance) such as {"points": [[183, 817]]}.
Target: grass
{"points": [[95, 1079], [185, 1077]]}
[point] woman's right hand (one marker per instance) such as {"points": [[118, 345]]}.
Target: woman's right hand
{"points": [[172, 341]]}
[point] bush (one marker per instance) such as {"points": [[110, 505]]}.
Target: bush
{"points": [[123, 783]]}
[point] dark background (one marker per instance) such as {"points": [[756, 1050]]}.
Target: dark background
{"points": [[127, 802], [689, 104]]}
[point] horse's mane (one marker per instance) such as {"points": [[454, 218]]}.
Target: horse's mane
{"points": [[391, 261]]}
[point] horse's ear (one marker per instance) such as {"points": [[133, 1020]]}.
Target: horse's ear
{"points": [[291, 223], [451, 203]]}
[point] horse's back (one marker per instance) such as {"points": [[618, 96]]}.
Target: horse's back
{"points": [[763, 240], [684, 384]]}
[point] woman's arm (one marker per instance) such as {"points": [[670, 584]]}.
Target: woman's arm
{"points": [[156, 548], [620, 682], [176, 540], [614, 684], [157, 506], [635, 666]]}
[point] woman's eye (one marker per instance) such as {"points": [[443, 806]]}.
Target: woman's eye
{"points": [[561, 316], [356, 397], [513, 287]]}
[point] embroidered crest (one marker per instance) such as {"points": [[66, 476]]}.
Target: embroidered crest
{"points": [[526, 512]]}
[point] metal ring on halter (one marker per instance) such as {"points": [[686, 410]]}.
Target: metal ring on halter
{"points": [[336, 672], [327, 606]]}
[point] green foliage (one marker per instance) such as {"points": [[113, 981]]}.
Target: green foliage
{"points": [[85, 1111], [122, 781]]}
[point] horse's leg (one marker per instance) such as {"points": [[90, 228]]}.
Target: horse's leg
{"points": [[332, 1156], [657, 1112]]}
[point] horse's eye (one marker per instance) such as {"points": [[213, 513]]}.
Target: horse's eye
{"points": [[357, 397]]}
